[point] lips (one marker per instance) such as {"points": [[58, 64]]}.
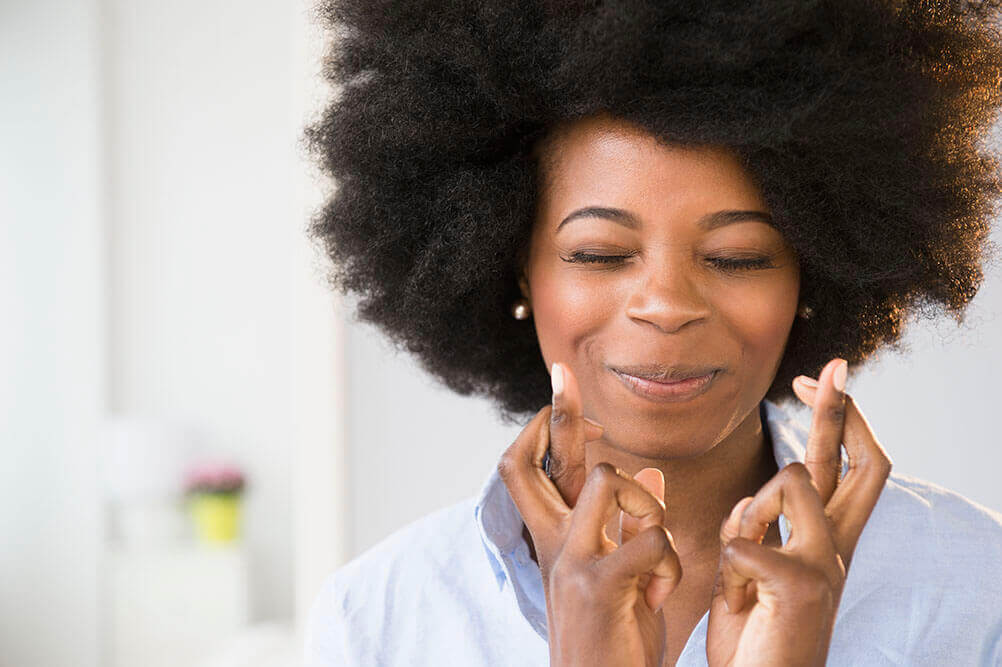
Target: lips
{"points": [[690, 382], [665, 373]]}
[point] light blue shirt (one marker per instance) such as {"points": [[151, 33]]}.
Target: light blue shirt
{"points": [[457, 587]]}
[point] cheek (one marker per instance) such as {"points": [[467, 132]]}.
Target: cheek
{"points": [[567, 310], [761, 319]]}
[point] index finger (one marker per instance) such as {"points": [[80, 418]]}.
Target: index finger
{"points": [[520, 468], [857, 495], [869, 467], [791, 492], [569, 430], [823, 457]]}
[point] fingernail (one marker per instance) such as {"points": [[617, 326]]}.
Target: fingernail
{"points": [[839, 375], [557, 379], [806, 381]]}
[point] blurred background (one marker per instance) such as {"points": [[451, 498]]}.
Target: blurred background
{"points": [[194, 430]]}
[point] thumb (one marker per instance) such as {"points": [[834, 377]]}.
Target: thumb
{"points": [[653, 480]]}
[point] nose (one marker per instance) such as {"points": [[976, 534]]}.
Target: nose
{"points": [[668, 296]]}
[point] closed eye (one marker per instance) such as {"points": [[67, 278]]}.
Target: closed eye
{"points": [[590, 258], [741, 264], [729, 264]]}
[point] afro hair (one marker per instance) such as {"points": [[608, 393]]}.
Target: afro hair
{"points": [[865, 123]]}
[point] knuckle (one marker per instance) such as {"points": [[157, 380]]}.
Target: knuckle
{"points": [[884, 467], [516, 453], [723, 531], [603, 475], [829, 464], [881, 462], [656, 539], [835, 412], [570, 581], [604, 576], [748, 522], [603, 468], [662, 549], [506, 466], [816, 589], [875, 461], [830, 522], [797, 472], [732, 549]]}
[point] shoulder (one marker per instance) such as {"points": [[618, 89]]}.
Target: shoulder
{"points": [[937, 536], [925, 582], [948, 549], [426, 545], [942, 524], [930, 559], [395, 577], [916, 513]]}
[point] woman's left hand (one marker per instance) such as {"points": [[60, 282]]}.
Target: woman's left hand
{"points": [[777, 605]]}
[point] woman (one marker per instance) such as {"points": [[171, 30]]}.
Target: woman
{"points": [[660, 222]]}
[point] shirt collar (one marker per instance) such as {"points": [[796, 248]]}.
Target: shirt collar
{"points": [[500, 522]]}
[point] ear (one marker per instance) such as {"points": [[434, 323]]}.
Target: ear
{"points": [[523, 285]]}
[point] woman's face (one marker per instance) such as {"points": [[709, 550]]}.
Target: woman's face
{"points": [[679, 284]]}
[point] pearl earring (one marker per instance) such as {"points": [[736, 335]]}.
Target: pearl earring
{"points": [[520, 309], [805, 311]]}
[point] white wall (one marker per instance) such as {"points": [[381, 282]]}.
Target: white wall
{"points": [[320, 495], [204, 239], [413, 446], [153, 261], [52, 354]]}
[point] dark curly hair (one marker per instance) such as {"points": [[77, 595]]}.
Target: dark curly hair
{"points": [[863, 122]]}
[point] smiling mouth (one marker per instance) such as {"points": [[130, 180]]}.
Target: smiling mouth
{"points": [[667, 392]]}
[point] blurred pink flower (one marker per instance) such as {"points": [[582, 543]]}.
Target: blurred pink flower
{"points": [[213, 477]]}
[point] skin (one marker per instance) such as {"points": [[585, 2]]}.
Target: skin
{"points": [[669, 303], [611, 554]]}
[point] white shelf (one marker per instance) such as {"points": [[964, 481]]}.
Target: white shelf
{"points": [[173, 605]]}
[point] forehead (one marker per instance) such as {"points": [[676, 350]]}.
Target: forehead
{"points": [[605, 160]]}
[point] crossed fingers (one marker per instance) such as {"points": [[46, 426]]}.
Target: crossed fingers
{"points": [[827, 513], [851, 500]]}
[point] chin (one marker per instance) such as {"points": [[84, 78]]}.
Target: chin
{"points": [[658, 430], [675, 438]]}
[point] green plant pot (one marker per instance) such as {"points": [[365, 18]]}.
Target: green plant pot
{"points": [[216, 516]]}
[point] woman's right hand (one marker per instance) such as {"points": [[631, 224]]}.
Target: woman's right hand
{"points": [[602, 599]]}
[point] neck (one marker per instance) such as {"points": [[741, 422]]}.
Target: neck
{"points": [[701, 490]]}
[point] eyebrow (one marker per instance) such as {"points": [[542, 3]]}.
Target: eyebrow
{"points": [[707, 222]]}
